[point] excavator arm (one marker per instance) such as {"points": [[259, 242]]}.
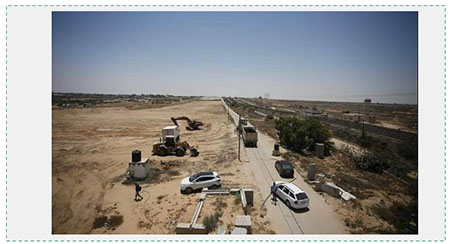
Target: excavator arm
{"points": [[192, 124]]}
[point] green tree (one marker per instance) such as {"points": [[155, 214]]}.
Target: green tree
{"points": [[302, 135]]}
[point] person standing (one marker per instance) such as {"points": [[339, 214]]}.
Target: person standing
{"points": [[137, 196], [273, 190]]}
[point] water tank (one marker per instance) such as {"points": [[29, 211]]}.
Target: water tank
{"points": [[136, 156]]}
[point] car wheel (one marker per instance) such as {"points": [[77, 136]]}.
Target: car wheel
{"points": [[288, 204], [188, 190]]}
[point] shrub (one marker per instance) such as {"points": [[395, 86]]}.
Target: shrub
{"points": [[408, 150], [376, 161], [402, 216], [269, 117], [302, 135], [210, 221]]}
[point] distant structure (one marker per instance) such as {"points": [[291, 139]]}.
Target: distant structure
{"points": [[352, 117], [312, 114], [367, 103], [367, 116]]}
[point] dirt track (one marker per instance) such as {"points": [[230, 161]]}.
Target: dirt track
{"points": [[90, 153]]}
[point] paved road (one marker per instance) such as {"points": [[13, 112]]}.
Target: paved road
{"points": [[320, 218]]}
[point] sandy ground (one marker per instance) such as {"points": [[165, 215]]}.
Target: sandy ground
{"points": [[91, 149]]}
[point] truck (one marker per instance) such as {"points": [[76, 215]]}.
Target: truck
{"points": [[242, 122], [249, 135]]}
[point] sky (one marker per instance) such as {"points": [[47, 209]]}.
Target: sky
{"points": [[323, 56]]}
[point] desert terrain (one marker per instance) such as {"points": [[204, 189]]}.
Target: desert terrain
{"points": [[91, 149]]}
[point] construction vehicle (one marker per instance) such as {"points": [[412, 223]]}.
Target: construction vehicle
{"points": [[170, 143], [242, 122], [249, 135], [192, 124]]}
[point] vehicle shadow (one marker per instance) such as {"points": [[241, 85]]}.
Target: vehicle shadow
{"points": [[302, 210]]}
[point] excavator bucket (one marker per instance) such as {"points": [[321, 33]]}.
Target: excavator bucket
{"points": [[194, 152]]}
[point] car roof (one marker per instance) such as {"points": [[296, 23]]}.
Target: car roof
{"points": [[294, 188], [204, 173]]}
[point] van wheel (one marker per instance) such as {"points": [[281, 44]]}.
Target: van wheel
{"points": [[288, 204], [188, 190]]}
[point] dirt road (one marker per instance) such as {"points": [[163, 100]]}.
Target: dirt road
{"points": [[320, 218]]}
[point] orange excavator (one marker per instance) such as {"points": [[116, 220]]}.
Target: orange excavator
{"points": [[192, 124]]}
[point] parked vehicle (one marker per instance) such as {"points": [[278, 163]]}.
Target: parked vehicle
{"points": [[200, 180], [284, 168], [292, 195]]}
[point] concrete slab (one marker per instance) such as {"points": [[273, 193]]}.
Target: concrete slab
{"points": [[239, 231]]}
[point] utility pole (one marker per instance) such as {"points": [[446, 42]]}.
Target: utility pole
{"points": [[239, 139]]}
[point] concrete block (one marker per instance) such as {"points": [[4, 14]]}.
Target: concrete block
{"points": [[234, 190], [185, 228], [249, 196], [221, 230], [139, 170], [331, 189], [321, 178], [239, 231], [311, 172], [244, 221]]}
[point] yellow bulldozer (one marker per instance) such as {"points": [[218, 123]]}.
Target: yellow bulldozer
{"points": [[170, 144]]}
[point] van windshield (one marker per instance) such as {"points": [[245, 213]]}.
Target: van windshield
{"points": [[301, 196]]}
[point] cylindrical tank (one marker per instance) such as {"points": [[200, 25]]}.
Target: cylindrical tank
{"points": [[311, 172], [136, 156]]}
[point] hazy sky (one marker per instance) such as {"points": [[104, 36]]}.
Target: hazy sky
{"points": [[334, 56]]}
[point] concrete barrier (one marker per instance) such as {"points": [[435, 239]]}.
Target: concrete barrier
{"points": [[185, 228]]}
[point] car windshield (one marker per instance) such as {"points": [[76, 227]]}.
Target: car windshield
{"points": [[301, 196], [192, 178]]}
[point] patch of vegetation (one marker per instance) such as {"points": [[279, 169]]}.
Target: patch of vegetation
{"points": [[300, 135], [358, 223], [220, 204], [111, 223], [99, 222], [173, 172], [375, 161], [210, 221], [408, 150], [402, 216], [269, 117], [237, 198]]}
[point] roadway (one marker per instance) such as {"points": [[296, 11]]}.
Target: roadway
{"points": [[319, 218]]}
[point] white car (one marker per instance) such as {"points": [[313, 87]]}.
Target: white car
{"points": [[292, 195], [199, 181]]}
